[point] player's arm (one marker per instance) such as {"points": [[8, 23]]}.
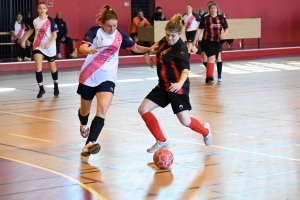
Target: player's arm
{"points": [[26, 36]]}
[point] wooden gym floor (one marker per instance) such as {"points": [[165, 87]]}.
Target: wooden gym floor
{"points": [[254, 115]]}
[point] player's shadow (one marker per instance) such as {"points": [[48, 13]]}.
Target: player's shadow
{"points": [[197, 183], [161, 178]]}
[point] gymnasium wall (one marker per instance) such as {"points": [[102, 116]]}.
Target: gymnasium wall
{"points": [[280, 24]]}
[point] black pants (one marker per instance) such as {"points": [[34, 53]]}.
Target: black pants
{"points": [[68, 41]]}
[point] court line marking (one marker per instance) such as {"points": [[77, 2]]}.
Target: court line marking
{"points": [[29, 137], [113, 129], [59, 174]]}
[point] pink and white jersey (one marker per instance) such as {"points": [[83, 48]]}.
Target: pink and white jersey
{"points": [[18, 29], [191, 22], [44, 28], [103, 65]]}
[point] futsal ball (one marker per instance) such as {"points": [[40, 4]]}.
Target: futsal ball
{"points": [[163, 158]]}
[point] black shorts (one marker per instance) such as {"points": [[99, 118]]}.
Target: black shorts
{"points": [[179, 102], [88, 93], [49, 59], [211, 48], [190, 36]]}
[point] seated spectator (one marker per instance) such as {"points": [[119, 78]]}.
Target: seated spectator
{"points": [[157, 16], [17, 30], [138, 21], [62, 36]]}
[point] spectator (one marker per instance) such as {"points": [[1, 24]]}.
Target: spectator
{"points": [[62, 36], [18, 30], [138, 21], [157, 16]]}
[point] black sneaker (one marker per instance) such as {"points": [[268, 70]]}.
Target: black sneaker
{"points": [[56, 91], [41, 93], [210, 80]]}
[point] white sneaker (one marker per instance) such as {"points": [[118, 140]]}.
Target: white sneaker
{"points": [[208, 139], [27, 59], [158, 145], [19, 59], [73, 55], [90, 148], [219, 79], [59, 56], [84, 130]]}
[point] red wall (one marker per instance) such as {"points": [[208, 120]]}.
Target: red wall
{"points": [[280, 19]]}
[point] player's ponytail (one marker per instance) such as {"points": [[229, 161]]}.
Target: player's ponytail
{"points": [[106, 13], [175, 24]]}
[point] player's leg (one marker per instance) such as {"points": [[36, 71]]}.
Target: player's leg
{"points": [[156, 98], [38, 58], [195, 125], [104, 95], [219, 66], [54, 73]]}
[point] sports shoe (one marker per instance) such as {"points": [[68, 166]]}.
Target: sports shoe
{"points": [[158, 145], [84, 130], [90, 148], [219, 79], [41, 93], [19, 59], [56, 91], [210, 80], [27, 59], [208, 139], [72, 56], [59, 56]]}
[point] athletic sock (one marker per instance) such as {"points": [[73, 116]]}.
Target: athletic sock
{"points": [[210, 69], [39, 77], [153, 126], [198, 127], [96, 127], [83, 119], [219, 68], [55, 76]]}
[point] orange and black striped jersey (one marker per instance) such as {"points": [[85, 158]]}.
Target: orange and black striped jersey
{"points": [[213, 27], [171, 60]]}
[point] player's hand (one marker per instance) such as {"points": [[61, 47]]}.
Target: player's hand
{"points": [[150, 61], [222, 37], [46, 46], [195, 43], [23, 44], [94, 50], [153, 49], [175, 87]]}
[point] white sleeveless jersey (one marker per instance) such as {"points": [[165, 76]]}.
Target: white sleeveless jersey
{"points": [[43, 34], [191, 22], [102, 66], [18, 29]]}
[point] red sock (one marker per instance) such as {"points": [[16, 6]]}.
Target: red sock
{"points": [[198, 127], [153, 126], [210, 69]]}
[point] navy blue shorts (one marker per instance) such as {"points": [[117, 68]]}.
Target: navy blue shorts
{"points": [[88, 93], [179, 102], [49, 59]]}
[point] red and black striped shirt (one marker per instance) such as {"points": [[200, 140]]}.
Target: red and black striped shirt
{"points": [[213, 27], [171, 60]]}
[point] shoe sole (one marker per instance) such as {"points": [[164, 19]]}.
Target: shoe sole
{"points": [[163, 147], [95, 149]]}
